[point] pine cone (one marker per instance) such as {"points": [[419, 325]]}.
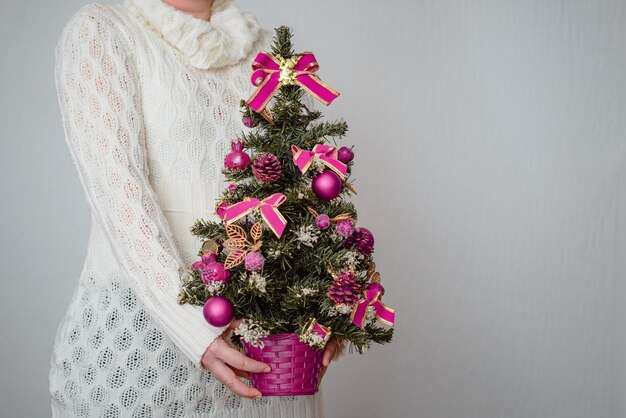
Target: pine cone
{"points": [[266, 168], [344, 289], [362, 239]]}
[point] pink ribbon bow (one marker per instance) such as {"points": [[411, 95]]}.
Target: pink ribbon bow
{"points": [[268, 208], [384, 314], [270, 72], [327, 154]]}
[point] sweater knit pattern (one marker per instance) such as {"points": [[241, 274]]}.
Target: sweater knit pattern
{"points": [[149, 99]]}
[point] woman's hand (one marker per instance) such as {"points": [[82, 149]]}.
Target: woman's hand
{"points": [[332, 351], [226, 363]]}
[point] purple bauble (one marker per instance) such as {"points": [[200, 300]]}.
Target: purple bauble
{"points": [[345, 227], [254, 261], [215, 272], [248, 121], [327, 185], [237, 159], [218, 311], [345, 155], [322, 221]]}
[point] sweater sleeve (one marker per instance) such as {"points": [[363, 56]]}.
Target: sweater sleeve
{"points": [[100, 103]]}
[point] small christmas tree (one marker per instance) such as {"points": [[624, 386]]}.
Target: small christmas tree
{"points": [[287, 256]]}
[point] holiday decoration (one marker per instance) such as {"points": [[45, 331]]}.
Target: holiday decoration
{"points": [[211, 270], [345, 227], [322, 221], [237, 159], [218, 311], [345, 289], [266, 168], [327, 155], [285, 254], [315, 334], [239, 245], [362, 239], [273, 71], [327, 185], [268, 208], [254, 261], [345, 155], [248, 121]]}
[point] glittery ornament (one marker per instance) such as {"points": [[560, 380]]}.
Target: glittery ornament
{"points": [[248, 121], [267, 168], [327, 185], [345, 227], [218, 311], [237, 159], [344, 289], [211, 270], [322, 221], [345, 155], [362, 239], [254, 261]]}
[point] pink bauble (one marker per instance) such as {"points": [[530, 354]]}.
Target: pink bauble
{"points": [[327, 185], [215, 272], [345, 155], [254, 261], [248, 121], [345, 227], [322, 221], [218, 311], [237, 159]]}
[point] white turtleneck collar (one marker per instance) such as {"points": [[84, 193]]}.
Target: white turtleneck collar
{"points": [[223, 40]]}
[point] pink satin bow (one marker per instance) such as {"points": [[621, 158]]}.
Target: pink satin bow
{"points": [[373, 294], [268, 208], [327, 154], [270, 72]]}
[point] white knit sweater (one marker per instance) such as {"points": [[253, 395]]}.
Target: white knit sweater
{"points": [[149, 98]]}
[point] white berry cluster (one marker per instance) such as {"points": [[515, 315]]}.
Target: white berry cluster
{"points": [[215, 288], [251, 332], [352, 258], [306, 235], [313, 339], [340, 309], [257, 281]]}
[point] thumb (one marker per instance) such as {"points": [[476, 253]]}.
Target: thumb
{"points": [[234, 323]]}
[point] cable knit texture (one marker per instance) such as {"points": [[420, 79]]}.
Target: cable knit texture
{"points": [[149, 98]]}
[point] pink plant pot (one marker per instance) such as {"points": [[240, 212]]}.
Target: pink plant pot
{"points": [[295, 365]]}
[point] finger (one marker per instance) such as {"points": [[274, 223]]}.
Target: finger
{"points": [[227, 376], [240, 373], [238, 360], [322, 372], [234, 323], [329, 351]]}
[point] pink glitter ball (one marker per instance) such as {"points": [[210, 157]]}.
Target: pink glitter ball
{"points": [[345, 227], [248, 122], [254, 261], [322, 221]]}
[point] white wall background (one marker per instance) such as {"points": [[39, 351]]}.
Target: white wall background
{"points": [[494, 131]]}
